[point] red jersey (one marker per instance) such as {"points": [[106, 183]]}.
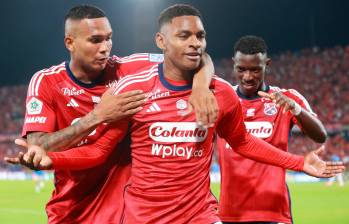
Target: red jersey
{"points": [[171, 154], [55, 100], [253, 191]]}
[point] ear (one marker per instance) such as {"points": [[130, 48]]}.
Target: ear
{"points": [[160, 40], [268, 61], [69, 43]]}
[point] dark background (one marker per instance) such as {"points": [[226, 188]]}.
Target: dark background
{"points": [[32, 30]]}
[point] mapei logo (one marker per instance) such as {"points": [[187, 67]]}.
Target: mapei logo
{"points": [[33, 120], [72, 92], [260, 129], [177, 132]]}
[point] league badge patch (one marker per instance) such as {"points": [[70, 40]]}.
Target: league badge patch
{"points": [[34, 106]]}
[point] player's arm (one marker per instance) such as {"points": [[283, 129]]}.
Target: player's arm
{"points": [[90, 155], [82, 157], [112, 108], [309, 123], [202, 98], [231, 127]]}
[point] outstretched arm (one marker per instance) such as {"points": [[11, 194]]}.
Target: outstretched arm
{"points": [[83, 157], [111, 109], [232, 128]]}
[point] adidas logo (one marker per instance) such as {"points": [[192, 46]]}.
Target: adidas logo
{"points": [[153, 108], [72, 103]]}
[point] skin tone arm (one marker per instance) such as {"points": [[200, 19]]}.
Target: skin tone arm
{"points": [[127, 103], [202, 99], [311, 125]]}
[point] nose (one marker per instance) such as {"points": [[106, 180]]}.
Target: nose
{"points": [[195, 42], [105, 46], [247, 75]]}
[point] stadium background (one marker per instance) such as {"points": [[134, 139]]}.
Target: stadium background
{"points": [[308, 41]]}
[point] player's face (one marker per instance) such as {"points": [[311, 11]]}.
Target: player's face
{"points": [[92, 43], [183, 42], [250, 71]]}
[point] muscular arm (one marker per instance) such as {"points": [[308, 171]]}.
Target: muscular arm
{"points": [[111, 108], [312, 126], [67, 137], [90, 155], [232, 129], [202, 99]]}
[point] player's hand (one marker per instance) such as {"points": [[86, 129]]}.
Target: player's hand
{"points": [[314, 166], [116, 107], [280, 100], [204, 103], [35, 158]]}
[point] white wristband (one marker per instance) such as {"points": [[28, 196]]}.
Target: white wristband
{"points": [[297, 109]]}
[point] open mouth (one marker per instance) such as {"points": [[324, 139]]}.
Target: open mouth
{"points": [[193, 56]]}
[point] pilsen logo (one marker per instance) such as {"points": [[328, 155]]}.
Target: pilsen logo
{"points": [[260, 129], [177, 132], [72, 92]]}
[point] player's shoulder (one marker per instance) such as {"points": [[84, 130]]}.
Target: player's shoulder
{"points": [[223, 88], [142, 79], [220, 84], [292, 93], [45, 75], [138, 57]]}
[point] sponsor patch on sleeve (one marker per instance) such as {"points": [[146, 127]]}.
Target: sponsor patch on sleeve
{"points": [[34, 106], [156, 58]]}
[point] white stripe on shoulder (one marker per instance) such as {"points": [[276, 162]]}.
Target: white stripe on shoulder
{"points": [[302, 98], [144, 75], [144, 78], [275, 88], [223, 81], [34, 89], [137, 75]]}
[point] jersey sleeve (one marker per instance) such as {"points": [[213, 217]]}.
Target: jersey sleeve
{"points": [[300, 99], [93, 154], [136, 62], [40, 114], [231, 127]]}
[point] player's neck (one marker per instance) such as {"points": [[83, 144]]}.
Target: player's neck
{"points": [[252, 95], [174, 73], [82, 74]]}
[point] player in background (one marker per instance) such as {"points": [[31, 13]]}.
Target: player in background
{"points": [[254, 192], [58, 104], [38, 176], [171, 154]]}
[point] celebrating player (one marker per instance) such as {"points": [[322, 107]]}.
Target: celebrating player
{"points": [[171, 154], [254, 192], [60, 97]]}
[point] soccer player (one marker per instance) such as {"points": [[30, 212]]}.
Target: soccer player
{"points": [[254, 192], [171, 154], [57, 117]]}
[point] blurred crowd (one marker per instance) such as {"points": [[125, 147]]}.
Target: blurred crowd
{"points": [[322, 76]]}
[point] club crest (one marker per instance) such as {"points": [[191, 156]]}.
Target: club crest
{"points": [[270, 109]]}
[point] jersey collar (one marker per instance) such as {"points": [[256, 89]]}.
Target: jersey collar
{"points": [[78, 82], [167, 84], [242, 96]]}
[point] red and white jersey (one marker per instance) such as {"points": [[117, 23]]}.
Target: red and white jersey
{"points": [[55, 100], [253, 191], [171, 154]]}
